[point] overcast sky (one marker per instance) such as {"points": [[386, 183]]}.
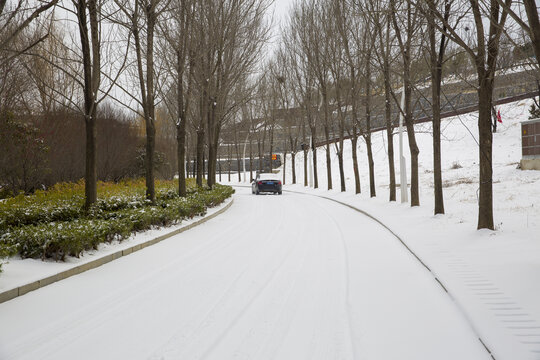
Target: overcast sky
{"points": [[281, 8], [280, 11]]}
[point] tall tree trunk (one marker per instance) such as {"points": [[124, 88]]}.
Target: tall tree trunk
{"points": [[194, 168], [437, 169], [436, 61], [306, 167], [328, 159], [90, 176], [485, 201], [181, 151], [229, 164], [293, 165], [181, 126], [367, 136], [149, 173], [314, 151], [389, 133], [90, 53], [340, 153], [200, 157], [388, 110], [238, 162], [354, 148], [250, 161], [239, 165], [371, 165], [341, 171], [413, 147], [213, 129], [150, 105]]}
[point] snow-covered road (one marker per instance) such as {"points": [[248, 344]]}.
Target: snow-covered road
{"points": [[275, 277]]}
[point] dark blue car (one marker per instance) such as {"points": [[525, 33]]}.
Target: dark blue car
{"points": [[266, 183]]}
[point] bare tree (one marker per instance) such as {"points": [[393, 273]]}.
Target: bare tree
{"points": [[339, 80], [91, 59], [348, 26], [436, 60], [483, 50], [379, 17], [178, 33], [230, 35], [85, 55], [140, 18], [406, 28]]}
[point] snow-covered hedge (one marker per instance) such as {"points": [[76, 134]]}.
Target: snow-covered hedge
{"points": [[54, 225], [64, 202]]}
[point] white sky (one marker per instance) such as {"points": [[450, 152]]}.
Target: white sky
{"points": [[280, 10]]}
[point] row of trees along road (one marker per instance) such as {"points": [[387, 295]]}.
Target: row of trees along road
{"points": [[339, 58], [194, 58], [337, 66]]}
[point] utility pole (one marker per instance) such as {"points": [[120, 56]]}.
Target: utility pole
{"points": [[402, 163]]}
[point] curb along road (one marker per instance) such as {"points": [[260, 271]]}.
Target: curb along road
{"points": [[21, 290]]}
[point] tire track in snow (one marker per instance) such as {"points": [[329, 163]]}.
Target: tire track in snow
{"points": [[346, 271], [272, 316], [99, 311], [207, 319]]}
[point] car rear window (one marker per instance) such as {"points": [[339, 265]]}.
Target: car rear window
{"points": [[268, 177]]}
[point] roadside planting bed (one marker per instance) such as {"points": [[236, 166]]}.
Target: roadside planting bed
{"points": [[54, 224]]}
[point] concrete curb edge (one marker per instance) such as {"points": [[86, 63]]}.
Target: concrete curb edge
{"points": [[24, 289]]}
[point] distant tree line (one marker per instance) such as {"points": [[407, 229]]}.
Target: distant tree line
{"points": [[180, 70]]}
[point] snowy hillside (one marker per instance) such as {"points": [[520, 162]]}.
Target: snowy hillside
{"points": [[514, 208]]}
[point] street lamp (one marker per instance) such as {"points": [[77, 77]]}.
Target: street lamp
{"points": [[402, 163]]}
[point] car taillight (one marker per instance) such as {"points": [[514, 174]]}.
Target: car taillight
{"points": [[260, 182], [279, 182]]}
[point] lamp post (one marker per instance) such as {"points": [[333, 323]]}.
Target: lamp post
{"points": [[402, 162]]}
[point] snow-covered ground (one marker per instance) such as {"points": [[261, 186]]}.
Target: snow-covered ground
{"points": [[299, 277], [493, 275], [275, 277]]}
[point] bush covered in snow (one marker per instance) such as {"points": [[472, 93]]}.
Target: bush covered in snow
{"points": [[53, 224], [64, 201]]}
